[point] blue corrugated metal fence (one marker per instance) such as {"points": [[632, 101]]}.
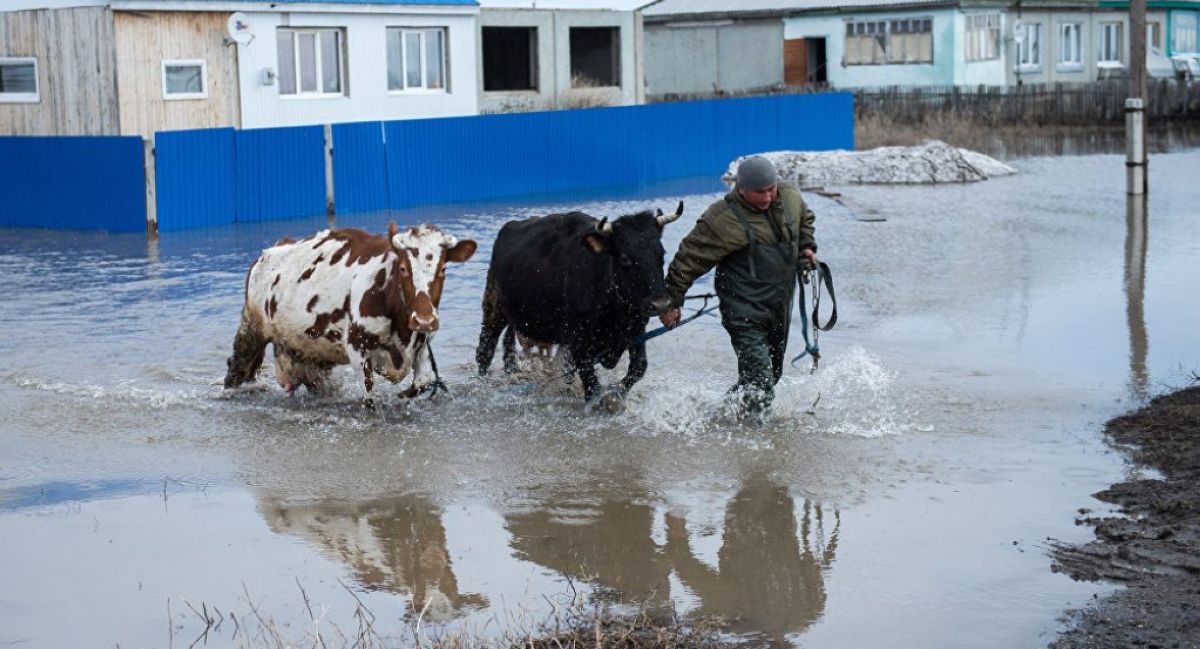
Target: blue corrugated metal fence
{"points": [[73, 183], [217, 176]]}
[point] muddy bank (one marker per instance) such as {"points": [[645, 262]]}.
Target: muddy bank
{"points": [[1154, 549]]}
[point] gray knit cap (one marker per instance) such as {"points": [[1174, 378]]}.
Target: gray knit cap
{"points": [[756, 173]]}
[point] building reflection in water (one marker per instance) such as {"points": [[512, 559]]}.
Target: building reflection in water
{"points": [[395, 544], [1136, 233], [769, 577]]}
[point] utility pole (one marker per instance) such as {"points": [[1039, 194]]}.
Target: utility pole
{"points": [[1136, 160]]}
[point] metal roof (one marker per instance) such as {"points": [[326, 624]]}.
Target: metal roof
{"points": [[582, 5], [673, 8]]}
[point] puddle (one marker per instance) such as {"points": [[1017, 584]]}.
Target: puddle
{"points": [[901, 496]]}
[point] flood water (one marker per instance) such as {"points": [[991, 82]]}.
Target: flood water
{"points": [[903, 495]]}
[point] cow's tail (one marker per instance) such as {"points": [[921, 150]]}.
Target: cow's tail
{"points": [[248, 348], [493, 324]]}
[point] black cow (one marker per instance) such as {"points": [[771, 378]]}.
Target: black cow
{"points": [[587, 285]]}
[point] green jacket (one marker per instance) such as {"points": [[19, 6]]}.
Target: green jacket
{"points": [[719, 234]]}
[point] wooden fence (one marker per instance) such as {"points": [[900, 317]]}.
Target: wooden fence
{"points": [[1042, 104]]}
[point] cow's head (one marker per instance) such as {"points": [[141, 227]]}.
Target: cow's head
{"points": [[634, 243], [421, 269]]}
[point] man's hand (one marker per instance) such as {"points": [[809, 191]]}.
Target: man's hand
{"points": [[809, 255], [671, 317]]}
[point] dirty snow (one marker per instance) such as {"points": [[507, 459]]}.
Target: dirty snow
{"points": [[931, 162]]}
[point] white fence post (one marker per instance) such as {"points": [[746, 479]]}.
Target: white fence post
{"points": [[151, 188], [329, 205]]}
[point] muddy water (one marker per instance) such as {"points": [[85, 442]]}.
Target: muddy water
{"points": [[900, 496]]}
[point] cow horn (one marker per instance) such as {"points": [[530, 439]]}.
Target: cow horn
{"points": [[604, 227], [663, 220], [449, 241]]}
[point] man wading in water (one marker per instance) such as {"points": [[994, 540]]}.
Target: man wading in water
{"points": [[757, 236]]}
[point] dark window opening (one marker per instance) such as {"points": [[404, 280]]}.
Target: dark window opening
{"points": [[595, 57], [510, 58]]}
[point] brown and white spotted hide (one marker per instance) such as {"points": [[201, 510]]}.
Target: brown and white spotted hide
{"points": [[347, 296]]}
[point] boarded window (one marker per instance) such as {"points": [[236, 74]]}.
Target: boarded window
{"points": [[982, 37], [185, 79], [416, 59], [509, 58], [595, 57], [875, 42], [311, 61], [18, 80]]}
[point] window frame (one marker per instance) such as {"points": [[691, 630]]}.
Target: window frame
{"points": [[34, 97], [534, 63], [983, 29], [1064, 64], [179, 96], [615, 43], [1106, 28], [873, 29], [1025, 47], [299, 94], [423, 89]]}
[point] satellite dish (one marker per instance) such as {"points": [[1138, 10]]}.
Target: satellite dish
{"points": [[239, 28]]}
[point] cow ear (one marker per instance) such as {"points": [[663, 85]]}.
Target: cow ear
{"points": [[462, 251], [391, 230], [596, 243]]}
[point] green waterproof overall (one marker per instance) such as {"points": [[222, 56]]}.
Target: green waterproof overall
{"points": [[756, 285]]}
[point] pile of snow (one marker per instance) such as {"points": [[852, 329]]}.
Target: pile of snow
{"points": [[931, 162]]}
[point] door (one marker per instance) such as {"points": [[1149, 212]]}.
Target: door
{"points": [[795, 61]]}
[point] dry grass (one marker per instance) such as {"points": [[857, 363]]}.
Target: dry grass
{"points": [[572, 623], [586, 92]]}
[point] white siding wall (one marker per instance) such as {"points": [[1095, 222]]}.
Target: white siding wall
{"points": [[366, 91]]}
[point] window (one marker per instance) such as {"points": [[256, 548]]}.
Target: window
{"points": [[185, 79], [1110, 43], [416, 59], [18, 80], [509, 58], [310, 62], [1029, 45], [1183, 32], [877, 42], [595, 57], [1068, 46], [983, 37], [1154, 35]]}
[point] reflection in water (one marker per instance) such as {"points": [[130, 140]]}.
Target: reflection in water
{"points": [[1135, 292], [396, 544], [769, 574]]}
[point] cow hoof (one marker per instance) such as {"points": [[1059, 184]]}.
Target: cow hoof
{"points": [[610, 402]]}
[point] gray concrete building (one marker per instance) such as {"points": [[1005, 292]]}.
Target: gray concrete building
{"points": [[549, 54]]}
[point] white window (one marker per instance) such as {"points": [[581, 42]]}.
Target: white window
{"points": [[1183, 32], [983, 37], [1110, 43], [416, 59], [185, 79], [1029, 47], [311, 62], [1154, 35], [876, 42], [18, 80], [1069, 46]]}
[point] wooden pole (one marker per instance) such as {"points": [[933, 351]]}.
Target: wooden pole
{"points": [[1136, 158]]}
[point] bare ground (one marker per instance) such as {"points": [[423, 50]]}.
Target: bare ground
{"points": [[1154, 548]]}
